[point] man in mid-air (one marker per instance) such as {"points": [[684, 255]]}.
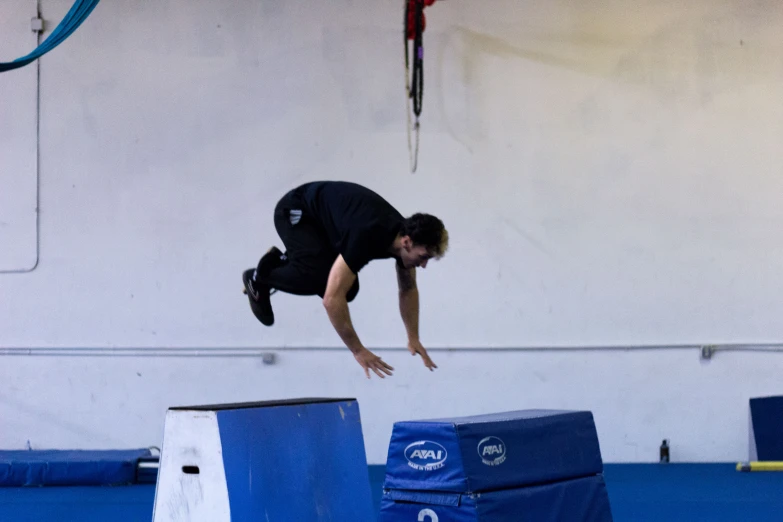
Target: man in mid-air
{"points": [[331, 230]]}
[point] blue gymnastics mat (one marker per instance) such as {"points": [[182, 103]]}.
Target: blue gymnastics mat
{"points": [[638, 493], [19, 468]]}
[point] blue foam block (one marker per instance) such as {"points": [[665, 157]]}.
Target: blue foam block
{"points": [[767, 427], [489, 452], [307, 462], [277, 461], [574, 500], [69, 467]]}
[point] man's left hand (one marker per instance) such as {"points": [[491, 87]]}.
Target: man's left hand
{"points": [[415, 347]]}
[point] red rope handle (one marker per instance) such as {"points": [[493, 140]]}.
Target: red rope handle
{"points": [[411, 24]]}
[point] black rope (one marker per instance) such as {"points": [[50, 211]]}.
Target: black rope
{"points": [[417, 81], [416, 85]]}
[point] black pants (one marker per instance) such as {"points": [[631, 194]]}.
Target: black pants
{"points": [[309, 254]]}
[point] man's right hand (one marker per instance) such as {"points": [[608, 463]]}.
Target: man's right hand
{"points": [[340, 281], [370, 361]]}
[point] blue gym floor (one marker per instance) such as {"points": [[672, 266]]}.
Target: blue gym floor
{"points": [[638, 493]]}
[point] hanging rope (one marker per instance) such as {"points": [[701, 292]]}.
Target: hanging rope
{"points": [[414, 26], [79, 12]]}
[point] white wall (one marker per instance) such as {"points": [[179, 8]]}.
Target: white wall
{"points": [[609, 175]]}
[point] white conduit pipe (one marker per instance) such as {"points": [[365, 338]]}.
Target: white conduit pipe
{"points": [[706, 350]]}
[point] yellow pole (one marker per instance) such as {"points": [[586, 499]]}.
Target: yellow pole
{"points": [[756, 465]]}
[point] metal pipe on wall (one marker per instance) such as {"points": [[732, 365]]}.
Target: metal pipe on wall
{"points": [[706, 350]]}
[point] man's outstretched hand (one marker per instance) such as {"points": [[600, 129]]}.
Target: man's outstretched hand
{"points": [[415, 347], [370, 361]]}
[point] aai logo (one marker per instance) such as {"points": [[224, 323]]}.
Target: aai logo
{"points": [[425, 455], [492, 451]]}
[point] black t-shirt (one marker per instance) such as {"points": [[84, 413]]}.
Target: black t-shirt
{"points": [[359, 223]]}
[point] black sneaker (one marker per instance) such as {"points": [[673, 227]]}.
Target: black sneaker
{"points": [[258, 295], [271, 260]]}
